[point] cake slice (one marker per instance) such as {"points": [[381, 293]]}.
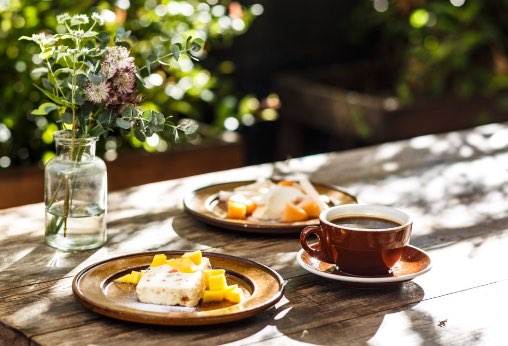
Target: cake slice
{"points": [[166, 285]]}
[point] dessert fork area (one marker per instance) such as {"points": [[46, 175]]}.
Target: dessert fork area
{"points": [[454, 186]]}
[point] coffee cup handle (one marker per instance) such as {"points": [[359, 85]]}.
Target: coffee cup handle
{"points": [[318, 253]]}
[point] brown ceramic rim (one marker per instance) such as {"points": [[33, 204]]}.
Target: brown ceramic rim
{"points": [[407, 223], [243, 310], [209, 193]]}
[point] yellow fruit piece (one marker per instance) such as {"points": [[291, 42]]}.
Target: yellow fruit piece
{"points": [[182, 264], [230, 288], [126, 278], [294, 213], [236, 210], [285, 183], [212, 272], [310, 207], [158, 260], [235, 295], [195, 256], [249, 204], [213, 296], [172, 262], [135, 277], [217, 282]]}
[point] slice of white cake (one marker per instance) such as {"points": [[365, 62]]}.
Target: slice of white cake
{"points": [[166, 286]]}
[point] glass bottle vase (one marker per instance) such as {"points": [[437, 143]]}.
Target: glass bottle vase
{"points": [[75, 194]]}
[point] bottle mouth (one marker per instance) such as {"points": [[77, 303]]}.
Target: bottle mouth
{"points": [[65, 137]]}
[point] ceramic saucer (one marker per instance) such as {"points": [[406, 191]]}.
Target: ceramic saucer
{"points": [[414, 262]]}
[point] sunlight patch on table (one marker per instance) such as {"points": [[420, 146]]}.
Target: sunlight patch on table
{"points": [[396, 326]]}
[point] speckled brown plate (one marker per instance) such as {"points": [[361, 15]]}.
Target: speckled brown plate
{"points": [[414, 262], [95, 289], [204, 204]]}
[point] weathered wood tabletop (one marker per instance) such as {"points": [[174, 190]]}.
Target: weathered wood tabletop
{"points": [[455, 186]]}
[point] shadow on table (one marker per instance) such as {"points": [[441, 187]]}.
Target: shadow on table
{"points": [[345, 316]]}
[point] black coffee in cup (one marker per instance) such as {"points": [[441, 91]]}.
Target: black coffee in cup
{"points": [[364, 222]]}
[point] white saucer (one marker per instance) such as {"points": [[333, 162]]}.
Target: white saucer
{"points": [[414, 262]]}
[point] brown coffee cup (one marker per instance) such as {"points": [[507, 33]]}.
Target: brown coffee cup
{"points": [[360, 239]]}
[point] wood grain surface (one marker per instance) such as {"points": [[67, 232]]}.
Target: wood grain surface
{"points": [[455, 186]]}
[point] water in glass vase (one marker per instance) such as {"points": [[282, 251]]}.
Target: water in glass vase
{"points": [[84, 228]]}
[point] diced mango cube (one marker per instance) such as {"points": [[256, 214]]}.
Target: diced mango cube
{"points": [[285, 183], [195, 256], [135, 277], [126, 278], [311, 207], [217, 282], [213, 296], [249, 204], [158, 260], [235, 295], [230, 288], [236, 210], [212, 272], [293, 213], [172, 262], [182, 264]]}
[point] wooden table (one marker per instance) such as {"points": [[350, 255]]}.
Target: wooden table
{"points": [[454, 185]]}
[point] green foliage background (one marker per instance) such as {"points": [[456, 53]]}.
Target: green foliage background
{"points": [[204, 94]]}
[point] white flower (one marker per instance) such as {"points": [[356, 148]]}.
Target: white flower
{"points": [[62, 18], [78, 33], [97, 93], [43, 39], [38, 37], [79, 19], [98, 18]]}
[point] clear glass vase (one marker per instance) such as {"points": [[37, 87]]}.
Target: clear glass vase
{"points": [[75, 195]]}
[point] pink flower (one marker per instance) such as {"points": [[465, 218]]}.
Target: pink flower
{"points": [[124, 81], [97, 93]]}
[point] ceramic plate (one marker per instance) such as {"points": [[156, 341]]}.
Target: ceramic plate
{"points": [[95, 289], [204, 204], [414, 262]]}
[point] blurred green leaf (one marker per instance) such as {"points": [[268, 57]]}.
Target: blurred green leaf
{"points": [[45, 108], [122, 123]]}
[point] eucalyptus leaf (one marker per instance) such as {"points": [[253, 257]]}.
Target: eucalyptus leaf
{"points": [[97, 131], [79, 99], [188, 42], [95, 78], [67, 118], [123, 124], [122, 34], [129, 113], [45, 108], [191, 128], [176, 52], [192, 57], [105, 118], [46, 83], [197, 45], [139, 135], [40, 70]]}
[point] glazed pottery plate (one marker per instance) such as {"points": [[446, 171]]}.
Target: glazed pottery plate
{"points": [[204, 204], [94, 287], [414, 262]]}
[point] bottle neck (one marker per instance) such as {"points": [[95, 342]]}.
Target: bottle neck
{"points": [[74, 149]]}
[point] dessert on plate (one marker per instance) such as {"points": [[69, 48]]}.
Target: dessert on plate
{"points": [[186, 281], [265, 200]]}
